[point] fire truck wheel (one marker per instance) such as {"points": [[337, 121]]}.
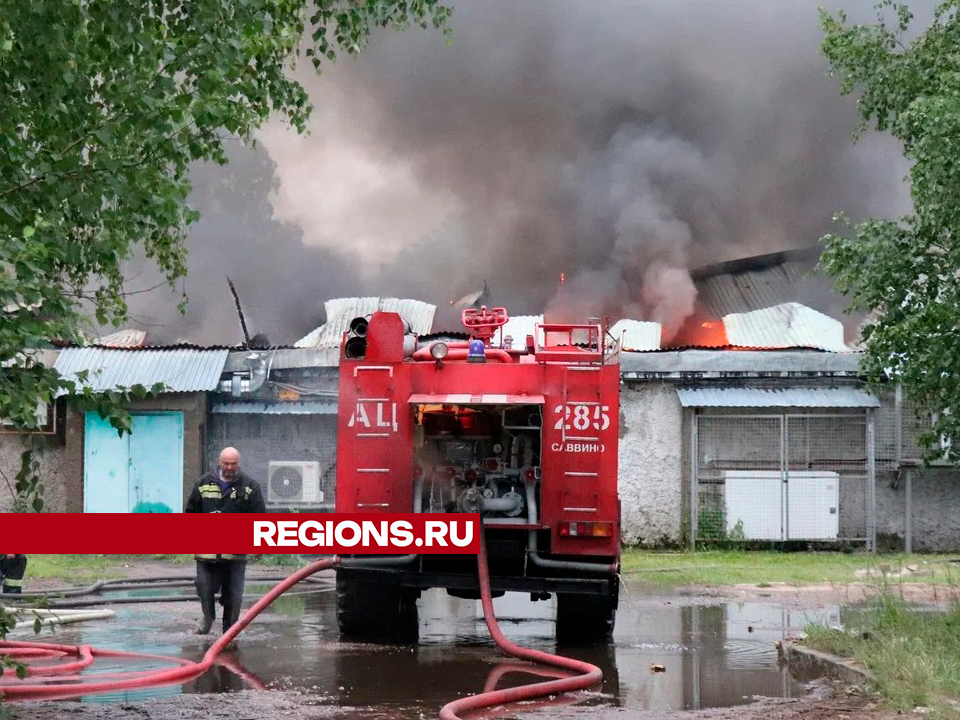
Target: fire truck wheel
{"points": [[585, 617], [372, 611]]}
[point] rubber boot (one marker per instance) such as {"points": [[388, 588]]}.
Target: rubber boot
{"points": [[203, 627]]}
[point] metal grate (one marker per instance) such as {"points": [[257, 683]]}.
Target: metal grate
{"points": [[265, 438], [900, 426], [781, 477]]}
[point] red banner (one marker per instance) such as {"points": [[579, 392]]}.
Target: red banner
{"points": [[318, 534]]}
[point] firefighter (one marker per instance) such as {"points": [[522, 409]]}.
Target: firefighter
{"points": [[224, 490], [12, 568]]}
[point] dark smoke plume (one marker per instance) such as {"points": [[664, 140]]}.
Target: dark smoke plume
{"points": [[618, 143], [281, 281]]}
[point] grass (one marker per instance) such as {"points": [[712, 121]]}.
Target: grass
{"points": [[913, 654], [718, 567], [81, 569], [762, 568], [77, 569]]}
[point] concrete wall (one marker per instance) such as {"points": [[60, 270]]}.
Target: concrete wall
{"points": [[650, 474], [61, 464], [935, 504]]}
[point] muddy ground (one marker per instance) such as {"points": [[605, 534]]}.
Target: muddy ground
{"points": [[715, 647], [257, 705], [832, 702]]}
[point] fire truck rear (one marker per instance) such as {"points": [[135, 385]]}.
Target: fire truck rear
{"points": [[524, 433]]}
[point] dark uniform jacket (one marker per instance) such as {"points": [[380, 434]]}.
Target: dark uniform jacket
{"points": [[243, 495]]}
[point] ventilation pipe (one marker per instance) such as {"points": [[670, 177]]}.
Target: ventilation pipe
{"points": [[251, 381]]}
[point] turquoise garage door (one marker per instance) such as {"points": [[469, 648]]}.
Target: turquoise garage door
{"points": [[139, 472]]}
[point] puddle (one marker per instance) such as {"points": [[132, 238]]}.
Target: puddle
{"points": [[713, 655]]}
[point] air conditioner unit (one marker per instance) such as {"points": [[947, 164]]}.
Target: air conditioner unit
{"points": [[294, 483]]}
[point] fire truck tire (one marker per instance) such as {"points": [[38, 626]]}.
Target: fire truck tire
{"points": [[585, 617], [373, 611]]}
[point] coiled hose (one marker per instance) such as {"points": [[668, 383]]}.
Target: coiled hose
{"points": [[586, 674], [65, 681]]}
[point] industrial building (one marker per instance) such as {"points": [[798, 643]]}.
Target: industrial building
{"points": [[751, 425]]}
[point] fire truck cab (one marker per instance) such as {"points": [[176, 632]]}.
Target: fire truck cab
{"points": [[523, 433]]}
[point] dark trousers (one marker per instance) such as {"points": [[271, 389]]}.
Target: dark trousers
{"points": [[11, 571], [226, 576]]}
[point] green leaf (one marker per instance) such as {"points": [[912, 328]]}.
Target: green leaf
{"points": [[100, 125]]}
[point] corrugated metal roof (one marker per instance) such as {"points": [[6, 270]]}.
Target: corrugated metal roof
{"points": [[123, 339], [181, 370], [636, 335], [308, 407], [754, 282], [837, 397], [341, 311], [784, 326], [518, 327], [752, 289]]}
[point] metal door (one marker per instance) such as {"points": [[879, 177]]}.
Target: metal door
{"points": [[156, 463], [138, 472], [106, 467]]}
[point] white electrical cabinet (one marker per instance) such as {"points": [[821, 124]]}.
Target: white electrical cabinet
{"points": [[805, 507], [754, 502]]}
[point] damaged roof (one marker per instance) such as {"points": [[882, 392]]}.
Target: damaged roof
{"points": [[752, 283], [789, 325], [636, 335], [128, 338], [341, 311]]}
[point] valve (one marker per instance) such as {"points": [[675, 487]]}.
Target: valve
{"points": [[483, 323]]}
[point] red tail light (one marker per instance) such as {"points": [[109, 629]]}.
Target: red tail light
{"points": [[586, 529]]}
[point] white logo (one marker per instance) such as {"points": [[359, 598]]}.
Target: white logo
{"points": [[375, 415]]}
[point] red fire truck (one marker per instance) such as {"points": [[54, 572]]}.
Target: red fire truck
{"points": [[524, 433]]}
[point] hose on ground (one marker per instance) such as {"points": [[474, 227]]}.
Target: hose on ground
{"points": [[153, 581], [50, 618], [146, 599], [65, 681], [78, 686], [586, 674]]}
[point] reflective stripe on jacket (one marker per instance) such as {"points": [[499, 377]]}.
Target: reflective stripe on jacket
{"points": [[243, 495]]}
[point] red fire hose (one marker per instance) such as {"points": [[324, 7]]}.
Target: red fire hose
{"points": [[65, 681], [587, 675]]}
